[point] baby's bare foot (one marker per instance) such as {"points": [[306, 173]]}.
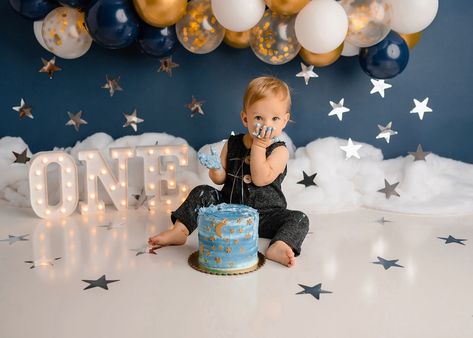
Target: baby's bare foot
{"points": [[282, 253], [174, 236]]}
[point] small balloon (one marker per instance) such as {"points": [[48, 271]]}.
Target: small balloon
{"points": [[368, 21], [410, 16], [237, 39], [386, 59], [198, 30], [160, 13], [321, 60], [349, 49], [411, 39], [38, 33], [112, 23], [286, 7], [33, 9], [238, 15], [157, 42], [273, 39]]}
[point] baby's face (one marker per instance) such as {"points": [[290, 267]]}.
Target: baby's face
{"points": [[270, 111]]}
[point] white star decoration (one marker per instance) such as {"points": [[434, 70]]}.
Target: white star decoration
{"points": [[351, 149], [379, 86], [338, 109], [75, 120], [386, 132], [132, 120], [307, 72], [421, 108]]}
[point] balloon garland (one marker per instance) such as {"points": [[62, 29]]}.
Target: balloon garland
{"points": [[380, 32]]}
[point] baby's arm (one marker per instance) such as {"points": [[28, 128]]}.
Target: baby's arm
{"points": [[265, 170], [218, 175]]}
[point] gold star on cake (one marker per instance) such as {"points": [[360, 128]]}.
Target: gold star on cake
{"points": [[235, 241], [21, 158], [220, 247], [212, 238], [232, 231], [218, 260], [167, 65], [228, 250], [24, 109], [112, 85], [49, 67]]}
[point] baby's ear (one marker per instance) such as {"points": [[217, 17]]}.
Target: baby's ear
{"points": [[244, 118]]}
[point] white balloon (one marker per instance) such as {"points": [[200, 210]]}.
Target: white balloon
{"points": [[238, 15], [349, 49], [321, 26], [37, 27], [412, 16]]}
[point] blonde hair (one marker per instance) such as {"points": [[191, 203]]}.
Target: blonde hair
{"points": [[262, 87]]}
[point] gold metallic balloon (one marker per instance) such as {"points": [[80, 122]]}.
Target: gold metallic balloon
{"points": [[237, 39], [273, 39], [411, 39], [286, 7], [321, 60], [198, 30], [160, 13]]}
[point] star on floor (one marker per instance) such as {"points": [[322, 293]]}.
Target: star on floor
{"points": [[379, 86], [307, 72], [387, 263], [307, 181], [382, 220], [75, 120], [338, 109], [389, 189], [132, 120], [451, 239], [195, 107], [13, 239], [386, 132], [49, 67], [141, 199], [102, 282], [421, 108], [167, 65], [420, 154], [21, 158], [315, 290], [351, 150], [111, 225], [146, 249], [112, 85], [24, 109], [42, 262]]}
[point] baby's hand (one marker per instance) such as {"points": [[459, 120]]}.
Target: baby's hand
{"points": [[210, 161], [262, 135]]}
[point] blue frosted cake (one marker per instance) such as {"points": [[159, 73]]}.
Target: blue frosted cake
{"points": [[228, 237]]}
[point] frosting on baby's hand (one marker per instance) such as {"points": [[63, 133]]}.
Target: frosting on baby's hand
{"points": [[210, 161]]}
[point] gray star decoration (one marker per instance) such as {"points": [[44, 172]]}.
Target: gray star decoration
{"points": [[75, 120], [312, 290], [112, 85], [382, 220], [379, 86], [111, 225], [21, 158], [386, 132], [49, 67], [420, 154], [389, 189], [146, 249], [386, 263], [142, 198], [102, 282], [307, 181], [166, 65], [195, 107], [13, 239], [307, 72], [132, 120], [338, 109], [451, 239], [24, 109], [42, 262]]}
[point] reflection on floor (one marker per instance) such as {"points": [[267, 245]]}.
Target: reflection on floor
{"points": [[359, 275]]}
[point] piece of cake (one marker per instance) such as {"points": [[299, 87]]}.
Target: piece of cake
{"points": [[228, 237]]}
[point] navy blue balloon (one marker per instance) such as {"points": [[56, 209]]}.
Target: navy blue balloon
{"points": [[386, 59], [74, 3], [157, 42], [112, 23], [33, 9]]}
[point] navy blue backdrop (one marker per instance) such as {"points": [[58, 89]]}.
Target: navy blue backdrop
{"points": [[440, 68]]}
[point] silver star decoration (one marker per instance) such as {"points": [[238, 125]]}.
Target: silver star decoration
{"points": [[351, 149], [386, 132], [21, 158], [387, 263], [195, 107], [111, 225], [389, 189], [451, 239], [13, 239], [379, 87], [146, 249], [24, 109], [315, 290], [421, 108], [307, 72], [112, 85], [142, 198], [75, 120], [49, 67], [102, 282], [420, 154], [338, 109], [132, 120], [167, 65], [42, 262], [382, 220]]}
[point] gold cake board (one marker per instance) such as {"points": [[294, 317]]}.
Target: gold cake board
{"points": [[194, 263]]}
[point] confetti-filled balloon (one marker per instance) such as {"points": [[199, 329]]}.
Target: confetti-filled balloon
{"points": [[410, 16], [273, 39], [238, 15], [199, 31], [386, 59], [237, 39], [411, 39], [38, 33], [286, 7], [160, 13], [65, 34], [33, 9], [368, 21], [321, 60], [157, 42]]}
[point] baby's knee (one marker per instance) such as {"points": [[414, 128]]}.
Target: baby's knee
{"points": [[303, 221]]}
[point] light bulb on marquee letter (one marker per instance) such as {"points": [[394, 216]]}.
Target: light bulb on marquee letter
{"points": [[39, 184], [98, 168]]}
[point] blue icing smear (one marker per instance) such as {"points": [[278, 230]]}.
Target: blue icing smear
{"points": [[228, 237], [210, 161]]}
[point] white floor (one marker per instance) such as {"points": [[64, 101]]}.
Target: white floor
{"points": [[161, 296]]}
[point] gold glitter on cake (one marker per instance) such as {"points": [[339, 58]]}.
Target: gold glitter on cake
{"points": [[236, 241], [242, 249], [212, 248], [228, 250], [248, 236], [212, 238], [240, 230], [218, 260], [232, 231], [220, 247]]}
